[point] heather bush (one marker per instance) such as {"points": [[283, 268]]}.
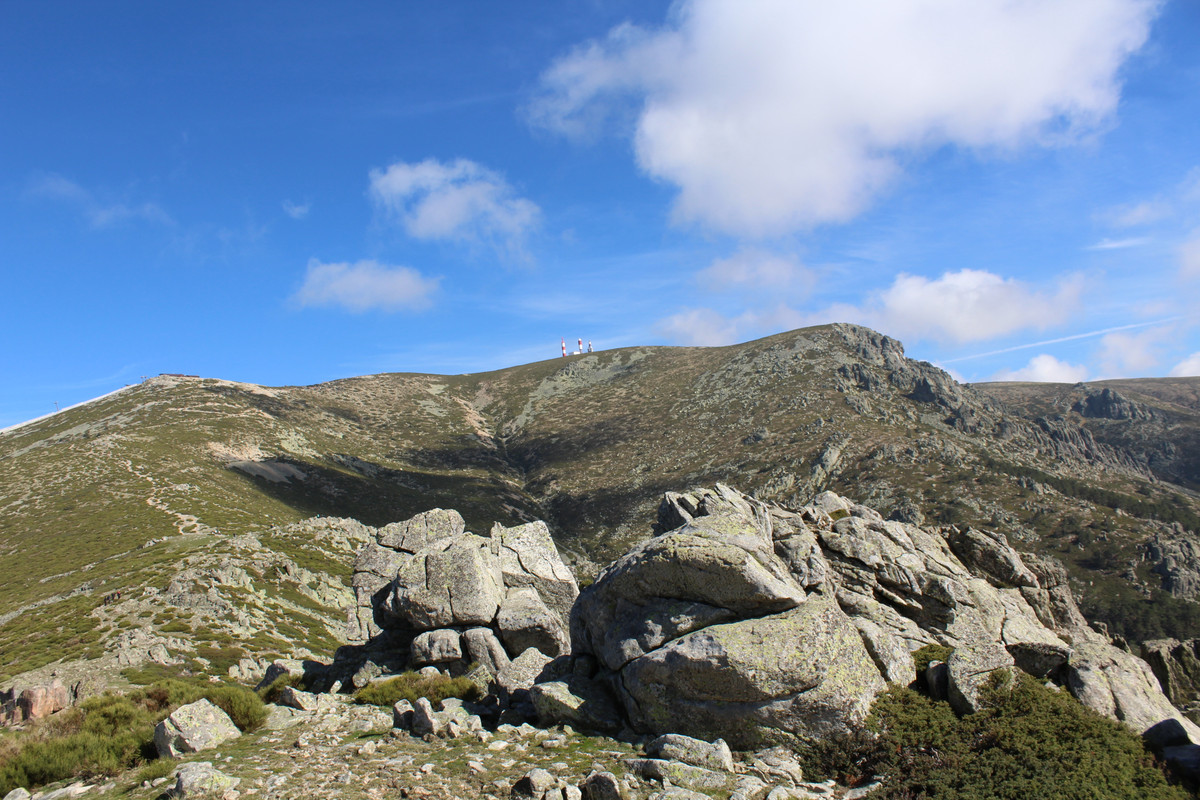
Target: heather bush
{"points": [[409, 686]]}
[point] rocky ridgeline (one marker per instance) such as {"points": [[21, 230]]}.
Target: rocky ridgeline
{"points": [[737, 620]]}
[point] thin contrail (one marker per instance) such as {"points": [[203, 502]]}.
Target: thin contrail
{"points": [[1063, 339]]}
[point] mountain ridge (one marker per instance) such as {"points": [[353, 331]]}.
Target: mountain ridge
{"points": [[118, 493]]}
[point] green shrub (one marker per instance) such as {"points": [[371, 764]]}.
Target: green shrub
{"points": [[410, 686], [158, 768], [109, 733], [926, 655], [243, 705], [1027, 742], [270, 693]]}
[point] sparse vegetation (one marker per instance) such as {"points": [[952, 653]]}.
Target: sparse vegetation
{"points": [[409, 686], [110, 733]]}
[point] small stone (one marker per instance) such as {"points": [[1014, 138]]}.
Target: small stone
{"points": [[535, 783], [402, 715], [602, 786]]}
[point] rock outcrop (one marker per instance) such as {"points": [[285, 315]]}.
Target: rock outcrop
{"points": [[752, 622], [193, 727], [33, 703], [454, 598]]}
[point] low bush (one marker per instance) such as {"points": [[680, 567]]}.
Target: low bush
{"points": [[1027, 742], [409, 686], [270, 693], [110, 733], [928, 654], [243, 705]]}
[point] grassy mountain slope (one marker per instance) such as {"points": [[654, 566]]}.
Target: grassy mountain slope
{"points": [[187, 495]]}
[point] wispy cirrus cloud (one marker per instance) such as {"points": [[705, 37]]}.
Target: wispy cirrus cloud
{"points": [[99, 212], [365, 286], [1120, 244], [457, 201], [296, 210]]}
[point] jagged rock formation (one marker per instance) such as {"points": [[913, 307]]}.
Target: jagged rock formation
{"points": [[747, 621], [1176, 664], [453, 599]]}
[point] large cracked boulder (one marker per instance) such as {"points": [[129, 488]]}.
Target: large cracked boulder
{"points": [[376, 563], [703, 630]]}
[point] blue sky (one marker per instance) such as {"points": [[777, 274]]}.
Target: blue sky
{"points": [[288, 193]]}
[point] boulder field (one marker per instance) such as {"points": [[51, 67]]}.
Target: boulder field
{"points": [[736, 620]]}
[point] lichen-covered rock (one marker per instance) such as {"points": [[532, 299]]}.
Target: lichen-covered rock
{"points": [[376, 563], [711, 570], [523, 671], [692, 626], [436, 647], [679, 773], [697, 752], [1122, 686], [803, 672], [455, 581], [483, 647], [201, 778], [524, 621], [578, 702], [529, 558], [973, 667], [193, 727]]}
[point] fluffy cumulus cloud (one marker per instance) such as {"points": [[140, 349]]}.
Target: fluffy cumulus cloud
{"points": [[458, 200], [1189, 367], [752, 269], [965, 306], [1131, 355], [774, 115], [364, 286], [1045, 368]]}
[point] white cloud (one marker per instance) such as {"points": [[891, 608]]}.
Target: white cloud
{"points": [[365, 285], [698, 326], [99, 213], [754, 269], [708, 328], [459, 200], [1137, 214], [296, 210], [1189, 257], [1131, 355], [964, 306], [1189, 367], [1119, 244], [1045, 368], [774, 115]]}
